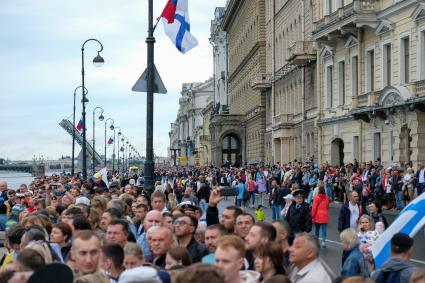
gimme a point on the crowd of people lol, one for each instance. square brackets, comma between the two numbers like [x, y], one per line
[110, 229]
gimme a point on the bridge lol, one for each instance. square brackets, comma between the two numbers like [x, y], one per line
[69, 127]
[34, 169]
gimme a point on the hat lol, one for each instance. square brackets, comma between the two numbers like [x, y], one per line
[82, 200]
[298, 192]
[132, 182]
[401, 240]
[98, 175]
[188, 204]
[288, 197]
[140, 275]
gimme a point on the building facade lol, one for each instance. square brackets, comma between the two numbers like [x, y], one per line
[237, 135]
[371, 76]
[187, 131]
[291, 70]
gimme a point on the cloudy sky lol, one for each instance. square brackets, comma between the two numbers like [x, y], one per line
[40, 66]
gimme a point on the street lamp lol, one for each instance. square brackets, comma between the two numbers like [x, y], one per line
[112, 124]
[101, 118]
[118, 146]
[126, 155]
[73, 130]
[97, 61]
[123, 159]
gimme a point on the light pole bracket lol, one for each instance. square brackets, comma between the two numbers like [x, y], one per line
[158, 85]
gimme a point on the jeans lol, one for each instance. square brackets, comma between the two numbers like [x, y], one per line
[324, 230]
[239, 202]
[276, 208]
[203, 205]
[420, 188]
[398, 198]
[252, 197]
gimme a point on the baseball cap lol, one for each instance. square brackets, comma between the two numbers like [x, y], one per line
[140, 274]
[82, 200]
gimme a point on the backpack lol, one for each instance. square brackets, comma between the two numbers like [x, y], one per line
[388, 277]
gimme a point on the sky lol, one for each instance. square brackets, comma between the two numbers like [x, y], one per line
[40, 66]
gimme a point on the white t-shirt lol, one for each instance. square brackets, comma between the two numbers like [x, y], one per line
[355, 214]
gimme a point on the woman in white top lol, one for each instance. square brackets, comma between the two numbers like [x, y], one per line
[367, 234]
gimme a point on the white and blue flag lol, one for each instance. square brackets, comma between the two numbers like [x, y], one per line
[410, 220]
[177, 25]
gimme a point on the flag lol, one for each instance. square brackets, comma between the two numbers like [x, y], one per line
[122, 149]
[80, 125]
[104, 172]
[410, 220]
[111, 140]
[175, 18]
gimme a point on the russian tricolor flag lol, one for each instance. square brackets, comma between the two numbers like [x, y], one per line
[80, 125]
[175, 18]
[110, 141]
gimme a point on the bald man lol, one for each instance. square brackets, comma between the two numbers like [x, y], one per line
[152, 218]
[161, 240]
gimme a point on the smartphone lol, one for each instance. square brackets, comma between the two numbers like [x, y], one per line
[53, 187]
[228, 192]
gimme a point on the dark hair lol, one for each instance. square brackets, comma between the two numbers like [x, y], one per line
[30, 259]
[123, 223]
[65, 229]
[115, 253]
[73, 211]
[80, 222]
[34, 233]
[267, 230]
[279, 278]
[114, 212]
[15, 233]
[247, 214]
[181, 254]
[6, 275]
[193, 220]
[378, 206]
[200, 272]
[219, 227]
[236, 210]
[142, 205]
[3, 208]
[274, 252]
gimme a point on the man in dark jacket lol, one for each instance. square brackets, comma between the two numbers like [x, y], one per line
[185, 227]
[276, 200]
[299, 215]
[350, 213]
[398, 267]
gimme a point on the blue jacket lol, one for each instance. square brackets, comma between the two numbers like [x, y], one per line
[354, 264]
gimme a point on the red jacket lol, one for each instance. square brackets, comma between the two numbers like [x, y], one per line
[320, 209]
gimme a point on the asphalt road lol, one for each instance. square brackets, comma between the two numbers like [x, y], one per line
[332, 254]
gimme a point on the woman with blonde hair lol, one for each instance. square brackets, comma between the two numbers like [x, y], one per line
[133, 256]
[353, 262]
[367, 234]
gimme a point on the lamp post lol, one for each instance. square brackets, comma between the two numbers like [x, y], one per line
[94, 138]
[97, 61]
[122, 139]
[126, 155]
[112, 123]
[119, 134]
[73, 131]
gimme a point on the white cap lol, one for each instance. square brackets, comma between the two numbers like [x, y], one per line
[132, 182]
[82, 200]
[140, 275]
[288, 196]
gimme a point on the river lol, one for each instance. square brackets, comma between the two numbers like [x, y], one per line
[15, 179]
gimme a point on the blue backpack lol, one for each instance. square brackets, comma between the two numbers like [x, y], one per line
[388, 277]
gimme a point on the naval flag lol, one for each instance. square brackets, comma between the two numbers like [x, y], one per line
[410, 220]
[110, 141]
[175, 18]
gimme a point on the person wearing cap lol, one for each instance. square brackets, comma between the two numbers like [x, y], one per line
[98, 182]
[289, 199]
[398, 267]
[298, 216]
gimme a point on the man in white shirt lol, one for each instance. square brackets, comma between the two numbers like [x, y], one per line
[306, 266]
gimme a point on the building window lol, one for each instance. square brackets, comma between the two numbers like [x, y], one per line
[356, 147]
[376, 145]
[354, 76]
[341, 82]
[421, 47]
[405, 59]
[387, 68]
[329, 94]
[370, 70]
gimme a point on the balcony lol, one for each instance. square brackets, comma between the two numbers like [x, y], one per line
[283, 120]
[420, 88]
[261, 82]
[346, 19]
[301, 53]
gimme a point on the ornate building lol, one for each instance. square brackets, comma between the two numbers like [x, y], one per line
[371, 76]
[237, 136]
[291, 70]
[187, 131]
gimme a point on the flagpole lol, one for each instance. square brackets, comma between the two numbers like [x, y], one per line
[157, 22]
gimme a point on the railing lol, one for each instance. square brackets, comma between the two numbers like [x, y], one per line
[301, 48]
[356, 7]
[283, 119]
[420, 88]
[261, 81]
